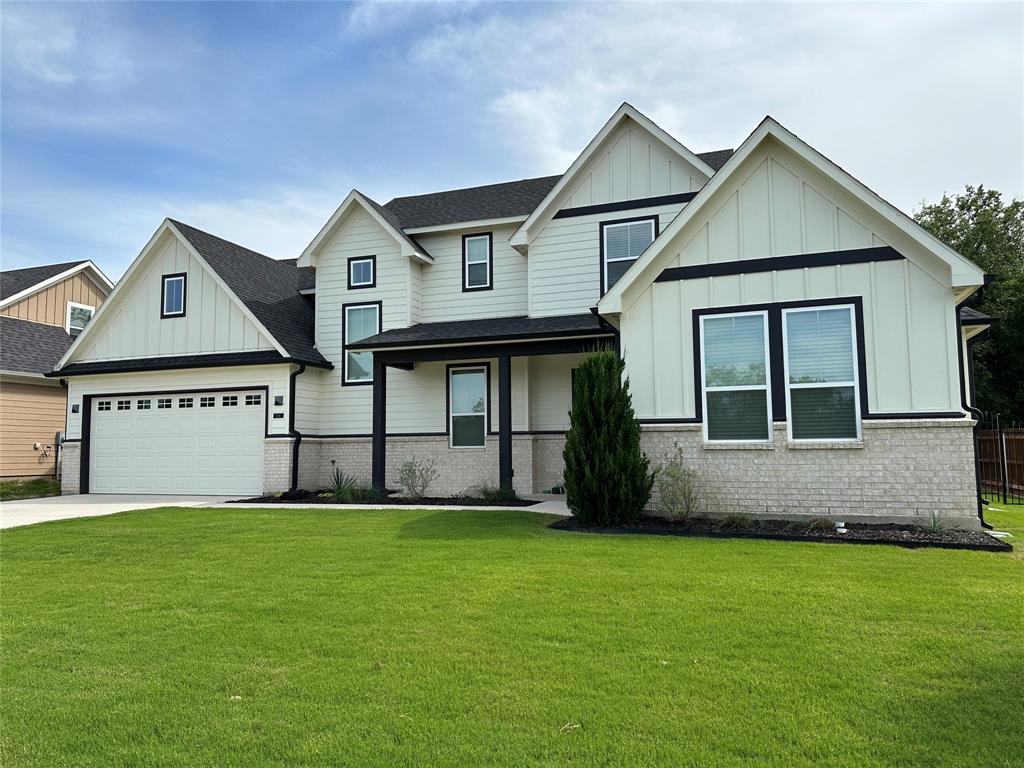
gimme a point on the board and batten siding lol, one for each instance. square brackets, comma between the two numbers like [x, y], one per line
[565, 260]
[440, 295]
[213, 322]
[50, 305]
[779, 206]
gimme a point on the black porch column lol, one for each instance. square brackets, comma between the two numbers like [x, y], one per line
[379, 422]
[505, 422]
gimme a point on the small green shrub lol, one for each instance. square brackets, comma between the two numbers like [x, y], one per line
[677, 488]
[820, 525]
[495, 494]
[415, 476]
[607, 476]
[934, 524]
[736, 523]
[346, 489]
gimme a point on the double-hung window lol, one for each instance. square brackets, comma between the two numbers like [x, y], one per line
[477, 263]
[361, 321]
[822, 392]
[362, 272]
[78, 316]
[622, 242]
[467, 406]
[172, 295]
[737, 385]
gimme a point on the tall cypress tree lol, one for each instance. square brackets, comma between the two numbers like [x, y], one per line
[607, 476]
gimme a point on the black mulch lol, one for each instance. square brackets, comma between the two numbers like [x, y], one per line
[315, 497]
[786, 530]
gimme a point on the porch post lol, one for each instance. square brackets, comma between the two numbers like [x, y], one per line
[379, 422]
[505, 422]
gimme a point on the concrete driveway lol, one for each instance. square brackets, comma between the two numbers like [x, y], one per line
[29, 511]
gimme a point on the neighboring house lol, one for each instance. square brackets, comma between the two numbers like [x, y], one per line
[42, 309]
[793, 333]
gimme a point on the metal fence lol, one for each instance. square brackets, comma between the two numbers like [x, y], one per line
[1001, 459]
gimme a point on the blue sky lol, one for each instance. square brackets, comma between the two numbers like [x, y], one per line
[254, 120]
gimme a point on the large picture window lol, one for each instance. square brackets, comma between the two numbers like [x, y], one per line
[734, 360]
[360, 321]
[821, 373]
[477, 262]
[467, 406]
[622, 242]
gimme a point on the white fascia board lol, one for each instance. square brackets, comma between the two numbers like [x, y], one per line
[355, 197]
[521, 236]
[962, 269]
[476, 224]
[28, 378]
[94, 274]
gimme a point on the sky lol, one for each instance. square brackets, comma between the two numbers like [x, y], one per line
[254, 120]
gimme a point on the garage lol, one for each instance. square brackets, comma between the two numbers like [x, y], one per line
[188, 442]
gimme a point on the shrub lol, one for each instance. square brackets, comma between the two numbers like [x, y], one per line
[607, 477]
[821, 525]
[347, 489]
[415, 477]
[677, 488]
[495, 493]
[736, 523]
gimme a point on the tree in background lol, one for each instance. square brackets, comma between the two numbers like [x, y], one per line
[607, 477]
[977, 224]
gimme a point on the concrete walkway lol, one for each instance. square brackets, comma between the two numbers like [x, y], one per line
[30, 511]
[550, 504]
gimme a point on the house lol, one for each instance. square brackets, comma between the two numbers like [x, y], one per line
[794, 334]
[42, 309]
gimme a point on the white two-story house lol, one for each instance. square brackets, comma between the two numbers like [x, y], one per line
[798, 337]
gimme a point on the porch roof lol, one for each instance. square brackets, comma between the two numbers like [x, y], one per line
[491, 329]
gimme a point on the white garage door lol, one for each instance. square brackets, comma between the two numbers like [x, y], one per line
[182, 443]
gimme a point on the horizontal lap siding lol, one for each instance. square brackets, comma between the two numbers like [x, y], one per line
[551, 391]
[29, 414]
[51, 305]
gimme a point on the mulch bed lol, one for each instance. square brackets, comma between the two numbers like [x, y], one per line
[787, 530]
[314, 497]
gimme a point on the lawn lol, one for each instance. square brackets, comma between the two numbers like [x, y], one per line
[190, 637]
[28, 489]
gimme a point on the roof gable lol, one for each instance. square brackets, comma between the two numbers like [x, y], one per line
[902, 227]
[17, 284]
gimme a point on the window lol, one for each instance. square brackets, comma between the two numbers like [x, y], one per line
[361, 321]
[362, 272]
[821, 373]
[78, 316]
[173, 295]
[253, 399]
[184, 402]
[734, 355]
[143, 405]
[207, 402]
[622, 242]
[163, 402]
[477, 266]
[229, 400]
[467, 406]
[124, 405]
[103, 405]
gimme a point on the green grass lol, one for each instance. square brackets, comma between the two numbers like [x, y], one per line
[28, 489]
[190, 637]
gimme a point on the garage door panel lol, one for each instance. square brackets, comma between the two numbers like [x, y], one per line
[198, 449]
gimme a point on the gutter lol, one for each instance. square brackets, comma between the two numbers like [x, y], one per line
[291, 426]
[977, 414]
[608, 327]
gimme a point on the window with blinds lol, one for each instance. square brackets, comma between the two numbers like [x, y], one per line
[622, 243]
[821, 373]
[734, 355]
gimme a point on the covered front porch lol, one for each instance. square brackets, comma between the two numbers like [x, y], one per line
[472, 352]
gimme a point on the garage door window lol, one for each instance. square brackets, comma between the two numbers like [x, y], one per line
[124, 405]
[185, 402]
[163, 402]
[207, 402]
[143, 405]
[229, 400]
[253, 399]
[104, 405]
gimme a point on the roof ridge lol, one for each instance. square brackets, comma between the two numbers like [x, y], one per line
[67, 264]
[178, 223]
[475, 187]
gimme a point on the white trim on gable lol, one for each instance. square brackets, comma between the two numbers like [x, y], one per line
[520, 238]
[964, 272]
[355, 197]
[165, 227]
[102, 282]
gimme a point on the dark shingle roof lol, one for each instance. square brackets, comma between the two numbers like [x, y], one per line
[307, 275]
[492, 201]
[269, 288]
[28, 347]
[392, 219]
[717, 158]
[488, 329]
[170, 363]
[971, 316]
[17, 280]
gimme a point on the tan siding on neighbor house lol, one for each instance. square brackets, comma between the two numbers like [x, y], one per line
[51, 305]
[29, 413]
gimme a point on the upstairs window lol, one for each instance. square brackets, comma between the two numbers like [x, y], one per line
[821, 373]
[467, 407]
[173, 295]
[362, 272]
[734, 357]
[78, 316]
[361, 321]
[477, 264]
[622, 242]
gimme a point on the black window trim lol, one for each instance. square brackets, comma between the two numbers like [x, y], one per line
[373, 267]
[603, 278]
[344, 339]
[466, 288]
[164, 315]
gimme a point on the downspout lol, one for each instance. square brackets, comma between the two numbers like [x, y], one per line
[975, 430]
[608, 327]
[292, 431]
